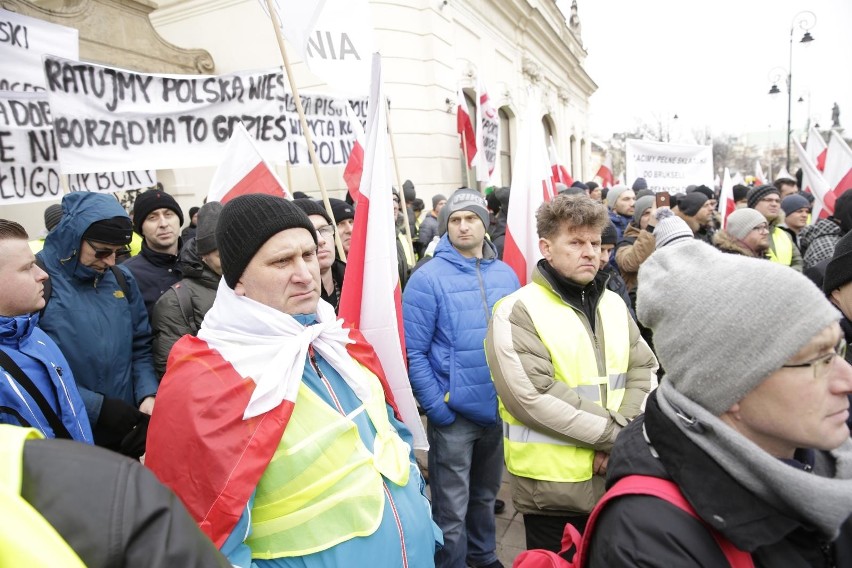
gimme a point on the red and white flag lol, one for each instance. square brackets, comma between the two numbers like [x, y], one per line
[243, 170]
[816, 148]
[487, 135]
[605, 171]
[371, 299]
[465, 129]
[558, 173]
[759, 178]
[727, 205]
[814, 182]
[530, 188]
[333, 37]
[355, 164]
[838, 168]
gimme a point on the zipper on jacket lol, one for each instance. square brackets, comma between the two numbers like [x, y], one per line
[70, 404]
[482, 290]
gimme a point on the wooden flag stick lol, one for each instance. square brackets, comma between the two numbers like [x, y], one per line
[402, 204]
[307, 131]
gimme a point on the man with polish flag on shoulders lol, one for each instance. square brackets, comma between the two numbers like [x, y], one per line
[276, 426]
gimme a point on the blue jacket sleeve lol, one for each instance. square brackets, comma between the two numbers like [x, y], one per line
[235, 548]
[144, 377]
[420, 320]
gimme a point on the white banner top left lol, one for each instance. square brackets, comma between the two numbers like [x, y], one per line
[23, 40]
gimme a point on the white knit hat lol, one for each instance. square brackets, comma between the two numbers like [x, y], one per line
[740, 223]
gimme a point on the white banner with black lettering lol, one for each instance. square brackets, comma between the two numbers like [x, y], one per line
[109, 119]
[23, 40]
[669, 167]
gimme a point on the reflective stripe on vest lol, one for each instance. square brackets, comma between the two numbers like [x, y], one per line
[574, 353]
[782, 252]
[323, 486]
[30, 540]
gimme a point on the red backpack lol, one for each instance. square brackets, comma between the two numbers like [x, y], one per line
[630, 485]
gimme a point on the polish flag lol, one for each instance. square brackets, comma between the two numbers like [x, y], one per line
[605, 171]
[371, 299]
[465, 129]
[531, 181]
[558, 172]
[813, 179]
[355, 164]
[243, 170]
[838, 168]
[759, 178]
[727, 205]
[816, 148]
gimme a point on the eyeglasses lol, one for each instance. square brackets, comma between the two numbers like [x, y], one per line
[764, 228]
[326, 231]
[821, 364]
[102, 253]
[771, 200]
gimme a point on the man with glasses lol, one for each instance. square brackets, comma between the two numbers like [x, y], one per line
[766, 199]
[751, 432]
[746, 232]
[331, 268]
[96, 315]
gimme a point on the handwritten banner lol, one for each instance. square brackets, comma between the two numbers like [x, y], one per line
[108, 119]
[110, 182]
[669, 167]
[23, 40]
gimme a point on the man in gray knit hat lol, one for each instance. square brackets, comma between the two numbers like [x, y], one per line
[746, 232]
[749, 422]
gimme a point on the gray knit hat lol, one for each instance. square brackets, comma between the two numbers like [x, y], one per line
[466, 199]
[717, 352]
[642, 205]
[793, 203]
[742, 221]
[205, 234]
[614, 193]
[671, 230]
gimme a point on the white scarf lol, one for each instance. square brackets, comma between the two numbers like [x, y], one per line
[270, 347]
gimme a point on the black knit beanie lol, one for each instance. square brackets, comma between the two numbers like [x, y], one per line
[247, 222]
[839, 269]
[609, 235]
[342, 210]
[152, 200]
[691, 203]
[755, 194]
[311, 207]
[112, 231]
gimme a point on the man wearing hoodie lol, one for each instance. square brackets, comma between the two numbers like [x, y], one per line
[446, 308]
[96, 315]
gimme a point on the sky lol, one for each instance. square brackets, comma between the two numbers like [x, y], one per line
[711, 64]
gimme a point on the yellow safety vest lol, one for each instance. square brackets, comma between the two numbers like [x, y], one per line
[782, 252]
[575, 355]
[323, 486]
[409, 253]
[26, 538]
[135, 244]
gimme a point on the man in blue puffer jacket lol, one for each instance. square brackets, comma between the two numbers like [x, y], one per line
[99, 322]
[37, 388]
[446, 307]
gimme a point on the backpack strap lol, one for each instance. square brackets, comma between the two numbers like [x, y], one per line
[184, 298]
[59, 429]
[667, 491]
[122, 280]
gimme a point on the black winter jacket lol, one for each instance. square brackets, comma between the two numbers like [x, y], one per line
[155, 272]
[647, 531]
[110, 509]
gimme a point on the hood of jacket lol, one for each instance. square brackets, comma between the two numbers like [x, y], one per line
[726, 243]
[14, 330]
[79, 210]
[448, 252]
[191, 266]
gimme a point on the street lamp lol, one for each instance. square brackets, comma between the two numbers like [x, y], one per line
[805, 20]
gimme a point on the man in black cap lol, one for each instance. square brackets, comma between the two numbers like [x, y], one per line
[274, 425]
[696, 210]
[767, 200]
[189, 231]
[344, 218]
[332, 269]
[96, 315]
[157, 217]
[838, 288]
[429, 226]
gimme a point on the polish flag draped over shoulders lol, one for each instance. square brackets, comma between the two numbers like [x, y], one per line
[530, 188]
[243, 171]
[464, 126]
[371, 299]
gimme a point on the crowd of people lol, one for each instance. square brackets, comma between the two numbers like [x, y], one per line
[203, 393]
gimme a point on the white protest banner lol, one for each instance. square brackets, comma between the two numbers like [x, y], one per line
[110, 182]
[669, 167]
[487, 132]
[28, 164]
[23, 40]
[109, 119]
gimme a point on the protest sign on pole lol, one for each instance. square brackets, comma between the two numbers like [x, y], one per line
[669, 167]
[109, 119]
[23, 40]
[28, 163]
[487, 132]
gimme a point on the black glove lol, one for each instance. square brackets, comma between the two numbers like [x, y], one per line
[121, 428]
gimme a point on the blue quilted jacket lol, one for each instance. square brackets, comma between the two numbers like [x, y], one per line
[445, 308]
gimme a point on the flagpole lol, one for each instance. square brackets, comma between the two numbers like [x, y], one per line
[273, 14]
[466, 161]
[403, 205]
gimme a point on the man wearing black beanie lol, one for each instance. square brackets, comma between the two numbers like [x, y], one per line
[697, 210]
[275, 408]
